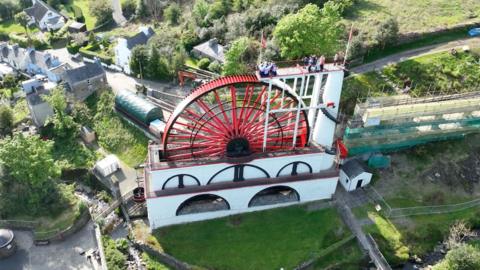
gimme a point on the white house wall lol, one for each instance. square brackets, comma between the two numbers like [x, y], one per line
[162, 210]
[318, 161]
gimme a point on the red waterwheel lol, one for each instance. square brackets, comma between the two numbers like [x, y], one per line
[226, 117]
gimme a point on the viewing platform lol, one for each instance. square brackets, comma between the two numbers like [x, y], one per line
[297, 68]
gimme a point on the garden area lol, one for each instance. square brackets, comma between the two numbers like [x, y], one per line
[114, 133]
[447, 173]
[240, 242]
[438, 73]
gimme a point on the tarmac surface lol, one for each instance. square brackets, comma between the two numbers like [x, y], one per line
[56, 256]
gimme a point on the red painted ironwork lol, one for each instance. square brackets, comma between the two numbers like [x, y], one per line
[228, 109]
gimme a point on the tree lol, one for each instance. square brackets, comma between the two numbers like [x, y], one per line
[8, 8]
[141, 10]
[30, 171]
[9, 81]
[157, 66]
[200, 12]
[463, 257]
[22, 18]
[64, 127]
[387, 32]
[203, 63]
[139, 60]
[309, 31]
[102, 10]
[241, 53]
[53, 3]
[128, 8]
[172, 13]
[6, 120]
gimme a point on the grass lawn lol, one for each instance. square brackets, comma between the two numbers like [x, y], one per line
[152, 263]
[272, 239]
[11, 26]
[347, 257]
[413, 15]
[83, 5]
[20, 111]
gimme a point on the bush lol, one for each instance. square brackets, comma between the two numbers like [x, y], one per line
[215, 66]
[172, 13]
[204, 63]
[73, 48]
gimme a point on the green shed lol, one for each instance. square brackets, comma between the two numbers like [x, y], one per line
[137, 107]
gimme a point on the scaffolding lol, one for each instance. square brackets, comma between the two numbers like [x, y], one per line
[392, 123]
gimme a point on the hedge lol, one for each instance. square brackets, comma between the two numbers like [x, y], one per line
[24, 43]
[89, 54]
[78, 13]
[73, 48]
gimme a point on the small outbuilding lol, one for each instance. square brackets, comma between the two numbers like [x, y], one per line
[107, 166]
[77, 27]
[7, 243]
[137, 108]
[354, 175]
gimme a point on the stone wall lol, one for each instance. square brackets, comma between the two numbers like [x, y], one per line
[166, 259]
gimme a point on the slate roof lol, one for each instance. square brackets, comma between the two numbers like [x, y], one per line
[35, 98]
[140, 38]
[84, 73]
[211, 49]
[39, 9]
[353, 168]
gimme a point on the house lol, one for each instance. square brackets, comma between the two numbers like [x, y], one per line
[39, 109]
[77, 27]
[354, 175]
[6, 70]
[30, 61]
[124, 47]
[44, 16]
[211, 50]
[83, 81]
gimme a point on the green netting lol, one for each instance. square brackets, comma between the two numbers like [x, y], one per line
[137, 107]
[379, 161]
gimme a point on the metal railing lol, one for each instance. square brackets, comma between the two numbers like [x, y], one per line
[433, 209]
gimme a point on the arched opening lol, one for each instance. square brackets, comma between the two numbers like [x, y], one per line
[274, 195]
[203, 203]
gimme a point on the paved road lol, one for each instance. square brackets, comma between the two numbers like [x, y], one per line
[58, 256]
[399, 57]
[117, 13]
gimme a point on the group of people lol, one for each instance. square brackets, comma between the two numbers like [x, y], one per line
[267, 69]
[313, 63]
[317, 64]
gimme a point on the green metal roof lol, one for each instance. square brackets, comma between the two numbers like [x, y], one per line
[137, 107]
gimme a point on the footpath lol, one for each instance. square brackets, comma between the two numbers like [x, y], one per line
[366, 242]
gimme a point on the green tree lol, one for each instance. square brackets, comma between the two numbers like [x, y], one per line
[172, 13]
[102, 10]
[64, 127]
[203, 63]
[387, 32]
[8, 8]
[53, 3]
[141, 10]
[9, 81]
[157, 66]
[463, 257]
[22, 18]
[31, 171]
[241, 53]
[200, 12]
[6, 120]
[128, 8]
[310, 31]
[139, 60]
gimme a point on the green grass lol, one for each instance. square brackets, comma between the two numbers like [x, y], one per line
[347, 257]
[413, 15]
[389, 239]
[264, 240]
[153, 263]
[11, 26]
[20, 111]
[90, 21]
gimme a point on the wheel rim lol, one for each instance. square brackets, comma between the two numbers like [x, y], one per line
[226, 117]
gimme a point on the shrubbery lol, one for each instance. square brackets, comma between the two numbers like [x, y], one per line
[89, 54]
[204, 63]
